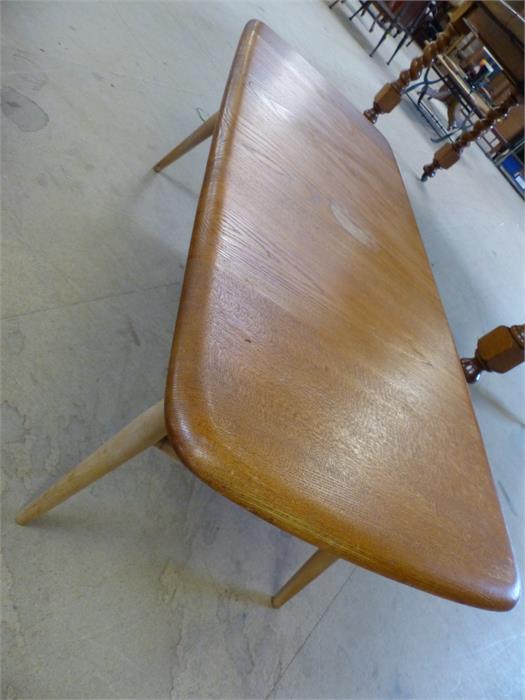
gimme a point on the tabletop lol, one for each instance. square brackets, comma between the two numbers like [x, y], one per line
[313, 378]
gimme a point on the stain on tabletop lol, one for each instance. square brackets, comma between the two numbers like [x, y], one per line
[345, 220]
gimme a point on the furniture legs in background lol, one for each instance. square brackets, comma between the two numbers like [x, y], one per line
[203, 132]
[310, 570]
[398, 48]
[390, 94]
[497, 351]
[391, 23]
[404, 19]
[143, 432]
[428, 11]
[363, 10]
[363, 7]
[450, 153]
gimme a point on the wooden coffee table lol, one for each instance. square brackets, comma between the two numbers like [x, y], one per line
[313, 378]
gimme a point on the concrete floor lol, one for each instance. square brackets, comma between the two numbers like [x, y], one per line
[148, 584]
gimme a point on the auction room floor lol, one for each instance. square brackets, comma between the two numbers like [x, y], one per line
[149, 584]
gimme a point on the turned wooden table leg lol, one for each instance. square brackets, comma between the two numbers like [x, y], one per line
[390, 94]
[318, 562]
[144, 431]
[497, 351]
[450, 153]
[203, 132]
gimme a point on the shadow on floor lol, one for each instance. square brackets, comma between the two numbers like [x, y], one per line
[498, 405]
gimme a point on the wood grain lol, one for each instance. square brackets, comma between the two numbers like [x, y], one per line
[313, 378]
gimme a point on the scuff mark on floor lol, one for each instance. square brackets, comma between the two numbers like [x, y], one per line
[201, 114]
[14, 428]
[22, 111]
[507, 498]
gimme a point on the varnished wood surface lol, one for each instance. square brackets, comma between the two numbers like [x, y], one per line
[313, 378]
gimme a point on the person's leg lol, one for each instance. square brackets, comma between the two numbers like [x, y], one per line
[452, 110]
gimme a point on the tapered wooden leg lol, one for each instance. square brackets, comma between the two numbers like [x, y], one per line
[203, 132]
[146, 430]
[315, 566]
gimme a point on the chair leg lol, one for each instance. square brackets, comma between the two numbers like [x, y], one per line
[318, 562]
[144, 431]
[398, 48]
[386, 33]
[362, 9]
[203, 132]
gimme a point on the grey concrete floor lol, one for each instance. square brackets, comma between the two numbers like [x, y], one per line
[148, 584]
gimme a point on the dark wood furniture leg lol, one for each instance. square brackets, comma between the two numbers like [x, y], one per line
[450, 153]
[390, 94]
[497, 351]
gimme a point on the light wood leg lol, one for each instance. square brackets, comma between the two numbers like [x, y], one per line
[318, 562]
[203, 132]
[144, 431]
